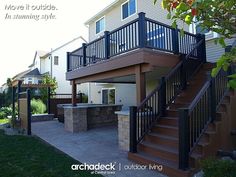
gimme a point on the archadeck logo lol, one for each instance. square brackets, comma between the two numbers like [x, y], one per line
[96, 168]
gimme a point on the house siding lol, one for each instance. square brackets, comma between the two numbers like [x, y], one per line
[113, 17]
[214, 51]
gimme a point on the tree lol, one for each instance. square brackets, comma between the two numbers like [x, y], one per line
[216, 15]
[48, 80]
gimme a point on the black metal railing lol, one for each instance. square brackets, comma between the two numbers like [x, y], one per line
[143, 117]
[140, 33]
[194, 120]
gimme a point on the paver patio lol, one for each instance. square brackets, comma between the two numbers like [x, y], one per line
[98, 145]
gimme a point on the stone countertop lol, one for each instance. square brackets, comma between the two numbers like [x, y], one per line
[85, 105]
[124, 112]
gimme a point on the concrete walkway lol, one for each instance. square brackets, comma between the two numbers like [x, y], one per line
[98, 145]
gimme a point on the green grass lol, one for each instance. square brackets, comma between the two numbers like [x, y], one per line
[3, 121]
[22, 156]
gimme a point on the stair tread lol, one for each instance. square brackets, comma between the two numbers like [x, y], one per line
[159, 135]
[165, 148]
[167, 126]
[158, 160]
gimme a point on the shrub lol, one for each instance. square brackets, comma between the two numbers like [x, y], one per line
[37, 106]
[218, 168]
[7, 111]
[2, 115]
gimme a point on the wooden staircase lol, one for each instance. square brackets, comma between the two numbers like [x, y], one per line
[161, 145]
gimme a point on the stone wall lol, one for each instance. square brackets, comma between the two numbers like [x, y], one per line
[42, 117]
[84, 117]
[123, 130]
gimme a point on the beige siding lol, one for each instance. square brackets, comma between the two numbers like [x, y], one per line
[113, 18]
[214, 51]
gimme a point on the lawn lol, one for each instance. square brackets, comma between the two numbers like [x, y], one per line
[3, 121]
[22, 156]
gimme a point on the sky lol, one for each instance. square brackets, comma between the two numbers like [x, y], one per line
[19, 39]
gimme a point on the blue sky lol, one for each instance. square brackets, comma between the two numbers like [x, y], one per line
[19, 39]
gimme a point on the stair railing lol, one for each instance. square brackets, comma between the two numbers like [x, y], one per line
[143, 117]
[194, 120]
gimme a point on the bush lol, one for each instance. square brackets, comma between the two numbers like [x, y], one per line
[37, 106]
[7, 111]
[2, 115]
[218, 168]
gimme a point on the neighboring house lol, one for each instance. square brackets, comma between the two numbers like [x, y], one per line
[21, 77]
[213, 51]
[3, 88]
[54, 63]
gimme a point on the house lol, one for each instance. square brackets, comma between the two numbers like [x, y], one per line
[119, 13]
[3, 88]
[177, 112]
[213, 51]
[54, 64]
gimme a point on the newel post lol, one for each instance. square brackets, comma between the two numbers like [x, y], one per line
[84, 46]
[201, 51]
[107, 44]
[184, 139]
[175, 40]
[142, 30]
[133, 129]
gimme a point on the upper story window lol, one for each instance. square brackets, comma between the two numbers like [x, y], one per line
[100, 25]
[128, 8]
[56, 60]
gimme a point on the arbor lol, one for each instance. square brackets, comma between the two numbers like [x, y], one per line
[48, 80]
[216, 15]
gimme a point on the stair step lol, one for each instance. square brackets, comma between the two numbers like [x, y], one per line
[172, 113]
[169, 121]
[169, 167]
[162, 139]
[178, 105]
[165, 152]
[166, 130]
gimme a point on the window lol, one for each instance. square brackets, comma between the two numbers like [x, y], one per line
[128, 9]
[108, 96]
[200, 30]
[56, 60]
[100, 25]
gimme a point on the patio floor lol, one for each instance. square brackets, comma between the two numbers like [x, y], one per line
[98, 145]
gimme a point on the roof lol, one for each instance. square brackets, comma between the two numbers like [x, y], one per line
[20, 75]
[34, 72]
[43, 54]
[39, 53]
[104, 11]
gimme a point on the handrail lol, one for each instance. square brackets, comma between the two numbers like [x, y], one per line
[197, 45]
[199, 96]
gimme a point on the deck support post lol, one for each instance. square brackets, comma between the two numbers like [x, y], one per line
[140, 84]
[74, 93]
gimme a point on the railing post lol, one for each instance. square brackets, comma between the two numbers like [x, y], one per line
[175, 40]
[142, 29]
[49, 101]
[184, 139]
[68, 61]
[107, 44]
[29, 111]
[201, 51]
[213, 99]
[84, 54]
[162, 97]
[133, 129]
